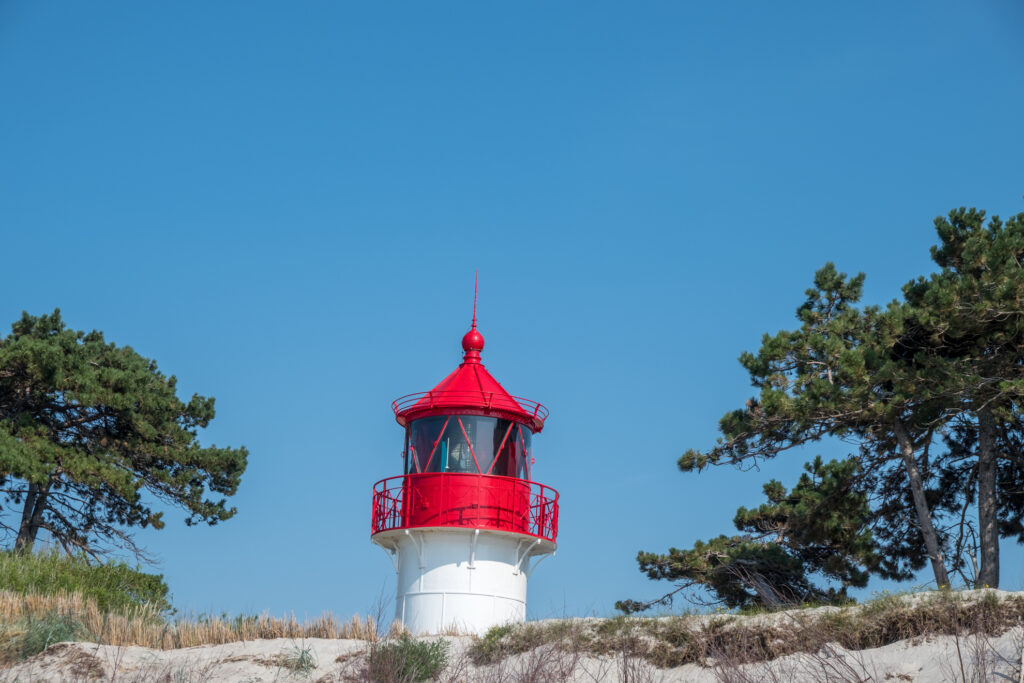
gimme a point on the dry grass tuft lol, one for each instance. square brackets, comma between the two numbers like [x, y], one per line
[710, 640]
[146, 626]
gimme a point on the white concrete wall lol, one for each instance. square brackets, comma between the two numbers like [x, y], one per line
[460, 578]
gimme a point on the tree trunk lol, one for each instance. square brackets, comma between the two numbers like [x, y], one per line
[987, 519]
[924, 516]
[31, 517]
[26, 516]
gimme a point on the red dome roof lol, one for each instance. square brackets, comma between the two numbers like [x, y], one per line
[470, 389]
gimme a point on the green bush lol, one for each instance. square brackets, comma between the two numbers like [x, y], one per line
[301, 660]
[114, 586]
[517, 638]
[407, 659]
[44, 631]
[492, 646]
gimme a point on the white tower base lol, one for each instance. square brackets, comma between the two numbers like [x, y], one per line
[463, 580]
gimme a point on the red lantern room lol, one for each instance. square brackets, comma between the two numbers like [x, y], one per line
[469, 425]
[466, 500]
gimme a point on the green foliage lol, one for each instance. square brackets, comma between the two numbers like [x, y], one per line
[301, 660]
[835, 375]
[510, 639]
[407, 659]
[87, 427]
[819, 528]
[114, 586]
[737, 569]
[969, 319]
[945, 362]
[42, 632]
[728, 639]
[823, 521]
[488, 649]
[844, 373]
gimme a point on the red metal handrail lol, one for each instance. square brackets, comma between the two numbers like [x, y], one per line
[465, 500]
[535, 410]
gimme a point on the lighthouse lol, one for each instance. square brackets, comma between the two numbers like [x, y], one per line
[465, 523]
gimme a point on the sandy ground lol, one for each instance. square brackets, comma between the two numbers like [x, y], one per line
[938, 659]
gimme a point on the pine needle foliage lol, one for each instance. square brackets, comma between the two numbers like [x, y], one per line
[942, 367]
[969, 319]
[819, 528]
[841, 374]
[87, 428]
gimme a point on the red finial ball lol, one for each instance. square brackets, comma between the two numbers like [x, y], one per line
[473, 341]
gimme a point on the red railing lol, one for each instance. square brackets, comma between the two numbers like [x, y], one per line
[476, 501]
[448, 399]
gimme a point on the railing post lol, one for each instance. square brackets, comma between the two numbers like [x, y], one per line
[540, 512]
[393, 504]
[406, 499]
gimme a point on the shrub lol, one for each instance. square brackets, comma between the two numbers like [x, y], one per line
[113, 586]
[301, 660]
[406, 660]
[491, 647]
[44, 631]
[514, 639]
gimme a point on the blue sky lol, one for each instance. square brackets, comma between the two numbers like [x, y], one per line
[284, 205]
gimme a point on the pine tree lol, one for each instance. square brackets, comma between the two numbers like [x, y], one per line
[840, 374]
[91, 434]
[944, 367]
[970, 318]
[819, 529]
